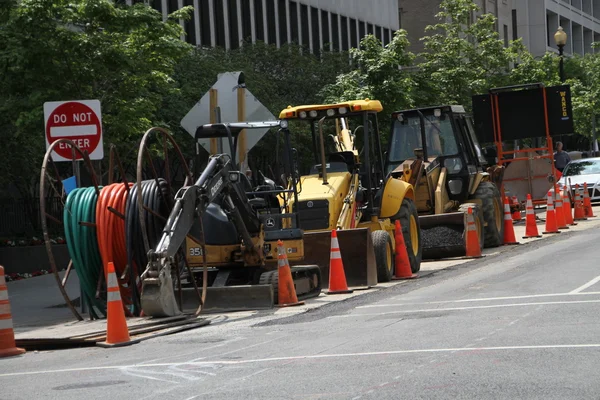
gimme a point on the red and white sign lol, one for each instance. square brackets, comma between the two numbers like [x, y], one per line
[79, 121]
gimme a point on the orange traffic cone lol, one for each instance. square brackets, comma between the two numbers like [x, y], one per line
[337, 276]
[587, 202]
[516, 215]
[286, 291]
[473, 245]
[509, 229]
[402, 268]
[117, 333]
[568, 211]
[551, 225]
[531, 230]
[8, 347]
[561, 221]
[579, 211]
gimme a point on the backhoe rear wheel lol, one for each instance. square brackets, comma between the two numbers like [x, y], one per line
[493, 213]
[384, 255]
[411, 232]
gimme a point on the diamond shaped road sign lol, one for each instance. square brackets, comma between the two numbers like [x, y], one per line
[226, 86]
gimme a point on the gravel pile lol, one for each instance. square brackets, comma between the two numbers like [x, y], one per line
[442, 236]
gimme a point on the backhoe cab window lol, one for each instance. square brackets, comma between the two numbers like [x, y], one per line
[407, 138]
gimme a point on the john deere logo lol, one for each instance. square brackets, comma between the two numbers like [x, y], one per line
[310, 204]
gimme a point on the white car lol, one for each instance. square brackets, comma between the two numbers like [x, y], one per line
[585, 170]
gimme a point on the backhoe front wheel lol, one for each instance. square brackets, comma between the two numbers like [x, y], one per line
[384, 255]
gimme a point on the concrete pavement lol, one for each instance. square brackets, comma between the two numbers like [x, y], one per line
[522, 323]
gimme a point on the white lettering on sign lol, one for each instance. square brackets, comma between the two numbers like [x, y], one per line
[83, 143]
[60, 118]
[82, 117]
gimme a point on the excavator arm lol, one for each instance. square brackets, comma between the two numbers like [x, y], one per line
[218, 180]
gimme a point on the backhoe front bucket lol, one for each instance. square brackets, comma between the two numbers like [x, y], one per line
[357, 251]
[158, 296]
[443, 235]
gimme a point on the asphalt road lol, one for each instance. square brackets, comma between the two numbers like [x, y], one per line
[524, 324]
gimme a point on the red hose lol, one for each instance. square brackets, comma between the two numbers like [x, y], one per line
[110, 230]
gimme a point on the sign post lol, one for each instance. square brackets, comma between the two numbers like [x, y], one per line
[79, 121]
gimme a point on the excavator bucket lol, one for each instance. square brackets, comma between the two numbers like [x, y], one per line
[158, 296]
[443, 235]
[358, 256]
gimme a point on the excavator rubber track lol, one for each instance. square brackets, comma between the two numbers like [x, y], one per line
[307, 281]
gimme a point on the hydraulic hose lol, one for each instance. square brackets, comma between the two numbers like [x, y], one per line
[157, 202]
[80, 234]
[110, 223]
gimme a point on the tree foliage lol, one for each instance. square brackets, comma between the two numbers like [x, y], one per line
[53, 50]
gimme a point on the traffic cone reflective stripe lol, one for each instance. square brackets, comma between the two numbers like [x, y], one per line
[516, 215]
[568, 211]
[531, 230]
[579, 211]
[551, 225]
[402, 268]
[8, 347]
[561, 221]
[337, 276]
[509, 230]
[587, 203]
[286, 291]
[117, 332]
[473, 246]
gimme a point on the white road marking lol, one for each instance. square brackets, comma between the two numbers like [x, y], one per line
[587, 285]
[311, 357]
[466, 308]
[531, 296]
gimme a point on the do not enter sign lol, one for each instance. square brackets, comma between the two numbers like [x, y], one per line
[79, 121]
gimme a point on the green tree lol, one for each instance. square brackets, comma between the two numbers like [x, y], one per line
[54, 50]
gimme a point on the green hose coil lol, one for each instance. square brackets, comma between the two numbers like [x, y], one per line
[83, 245]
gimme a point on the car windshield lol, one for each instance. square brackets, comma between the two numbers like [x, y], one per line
[582, 168]
[407, 137]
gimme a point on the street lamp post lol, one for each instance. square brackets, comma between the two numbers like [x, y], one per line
[560, 37]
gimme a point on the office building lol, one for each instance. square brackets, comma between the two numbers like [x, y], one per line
[315, 24]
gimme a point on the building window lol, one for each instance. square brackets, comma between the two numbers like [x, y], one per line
[335, 32]
[294, 22]
[272, 28]
[305, 25]
[314, 16]
[370, 29]
[258, 20]
[205, 24]
[325, 29]
[361, 29]
[219, 23]
[345, 39]
[283, 28]
[353, 33]
[379, 33]
[514, 25]
[190, 25]
[172, 6]
[505, 27]
[246, 21]
[233, 24]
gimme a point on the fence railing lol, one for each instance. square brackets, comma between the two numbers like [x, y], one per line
[20, 218]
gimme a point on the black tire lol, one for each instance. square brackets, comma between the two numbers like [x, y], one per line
[493, 213]
[408, 211]
[478, 214]
[384, 255]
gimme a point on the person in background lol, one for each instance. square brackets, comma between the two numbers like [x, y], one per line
[561, 157]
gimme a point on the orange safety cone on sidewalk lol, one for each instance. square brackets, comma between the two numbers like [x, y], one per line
[531, 230]
[516, 215]
[509, 229]
[473, 245]
[117, 333]
[8, 347]
[579, 211]
[561, 221]
[551, 225]
[286, 291]
[402, 268]
[568, 211]
[587, 202]
[337, 276]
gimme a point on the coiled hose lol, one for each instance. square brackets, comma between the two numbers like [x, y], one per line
[110, 223]
[158, 202]
[80, 234]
